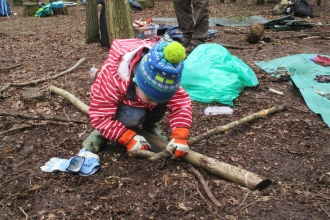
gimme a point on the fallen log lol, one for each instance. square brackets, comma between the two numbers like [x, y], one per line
[218, 168]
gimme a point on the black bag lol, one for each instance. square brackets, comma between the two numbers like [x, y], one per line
[302, 8]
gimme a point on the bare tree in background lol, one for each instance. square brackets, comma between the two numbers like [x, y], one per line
[119, 19]
[92, 34]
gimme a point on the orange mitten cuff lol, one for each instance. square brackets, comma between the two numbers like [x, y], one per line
[126, 137]
[180, 133]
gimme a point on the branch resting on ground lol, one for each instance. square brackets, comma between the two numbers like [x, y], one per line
[35, 82]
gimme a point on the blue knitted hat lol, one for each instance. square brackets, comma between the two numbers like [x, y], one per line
[159, 73]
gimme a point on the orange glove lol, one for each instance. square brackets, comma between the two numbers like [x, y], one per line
[132, 141]
[178, 145]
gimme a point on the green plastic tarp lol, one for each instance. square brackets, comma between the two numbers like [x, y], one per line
[303, 72]
[212, 74]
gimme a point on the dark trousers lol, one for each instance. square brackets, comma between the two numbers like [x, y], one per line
[132, 116]
[193, 20]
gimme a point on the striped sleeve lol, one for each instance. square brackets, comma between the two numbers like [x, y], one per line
[180, 110]
[104, 101]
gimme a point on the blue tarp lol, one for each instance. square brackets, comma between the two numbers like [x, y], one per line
[303, 72]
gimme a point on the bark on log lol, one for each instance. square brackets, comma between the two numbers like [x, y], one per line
[218, 168]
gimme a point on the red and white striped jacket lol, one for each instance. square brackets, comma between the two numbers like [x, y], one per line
[109, 90]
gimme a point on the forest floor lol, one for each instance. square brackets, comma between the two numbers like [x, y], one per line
[291, 147]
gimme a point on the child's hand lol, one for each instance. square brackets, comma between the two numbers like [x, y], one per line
[178, 145]
[132, 141]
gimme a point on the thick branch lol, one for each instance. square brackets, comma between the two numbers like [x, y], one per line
[35, 82]
[75, 101]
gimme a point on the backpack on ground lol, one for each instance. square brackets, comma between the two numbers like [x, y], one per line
[302, 8]
[5, 9]
[45, 10]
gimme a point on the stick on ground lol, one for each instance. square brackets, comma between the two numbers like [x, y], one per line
[205, 187]
[35, 82]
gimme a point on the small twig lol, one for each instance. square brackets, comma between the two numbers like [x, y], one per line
[325, 211]
[32, 125]
[202, 196]
[205, 187]
[40, 117]
[243, 200]
[22, 210]
[35, 82]
[19, 128]
[12, 179]
[161, 155]
[11, 67]
[66, 114]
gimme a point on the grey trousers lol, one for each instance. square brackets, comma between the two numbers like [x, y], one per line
[193, 20]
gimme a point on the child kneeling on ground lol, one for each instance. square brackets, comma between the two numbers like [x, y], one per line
[135, 86]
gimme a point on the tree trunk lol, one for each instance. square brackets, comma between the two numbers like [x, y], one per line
[318, 2]
[92, 34]
[119, 19]
[30, 9]
[260, 2]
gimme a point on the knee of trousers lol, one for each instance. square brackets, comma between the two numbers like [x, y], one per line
[130, 116]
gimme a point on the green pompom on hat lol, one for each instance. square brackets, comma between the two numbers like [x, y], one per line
[160, 71]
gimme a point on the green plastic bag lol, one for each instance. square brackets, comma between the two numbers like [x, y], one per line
[212, 74]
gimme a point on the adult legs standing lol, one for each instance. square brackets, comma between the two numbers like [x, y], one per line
[193, 20]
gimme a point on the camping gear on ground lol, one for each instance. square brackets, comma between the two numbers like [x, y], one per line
[287, 23]
[212, 74]
[322, 78]
[280, 8]
[45, 10]
[136, 6]
[58, 4]
[174, 33]
[5, 8]
[146, 32]
[302, 8]
[322, 60]
[303, 71]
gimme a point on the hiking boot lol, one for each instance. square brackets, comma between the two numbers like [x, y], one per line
[190, 48]
[156, 130]
[185, 44]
